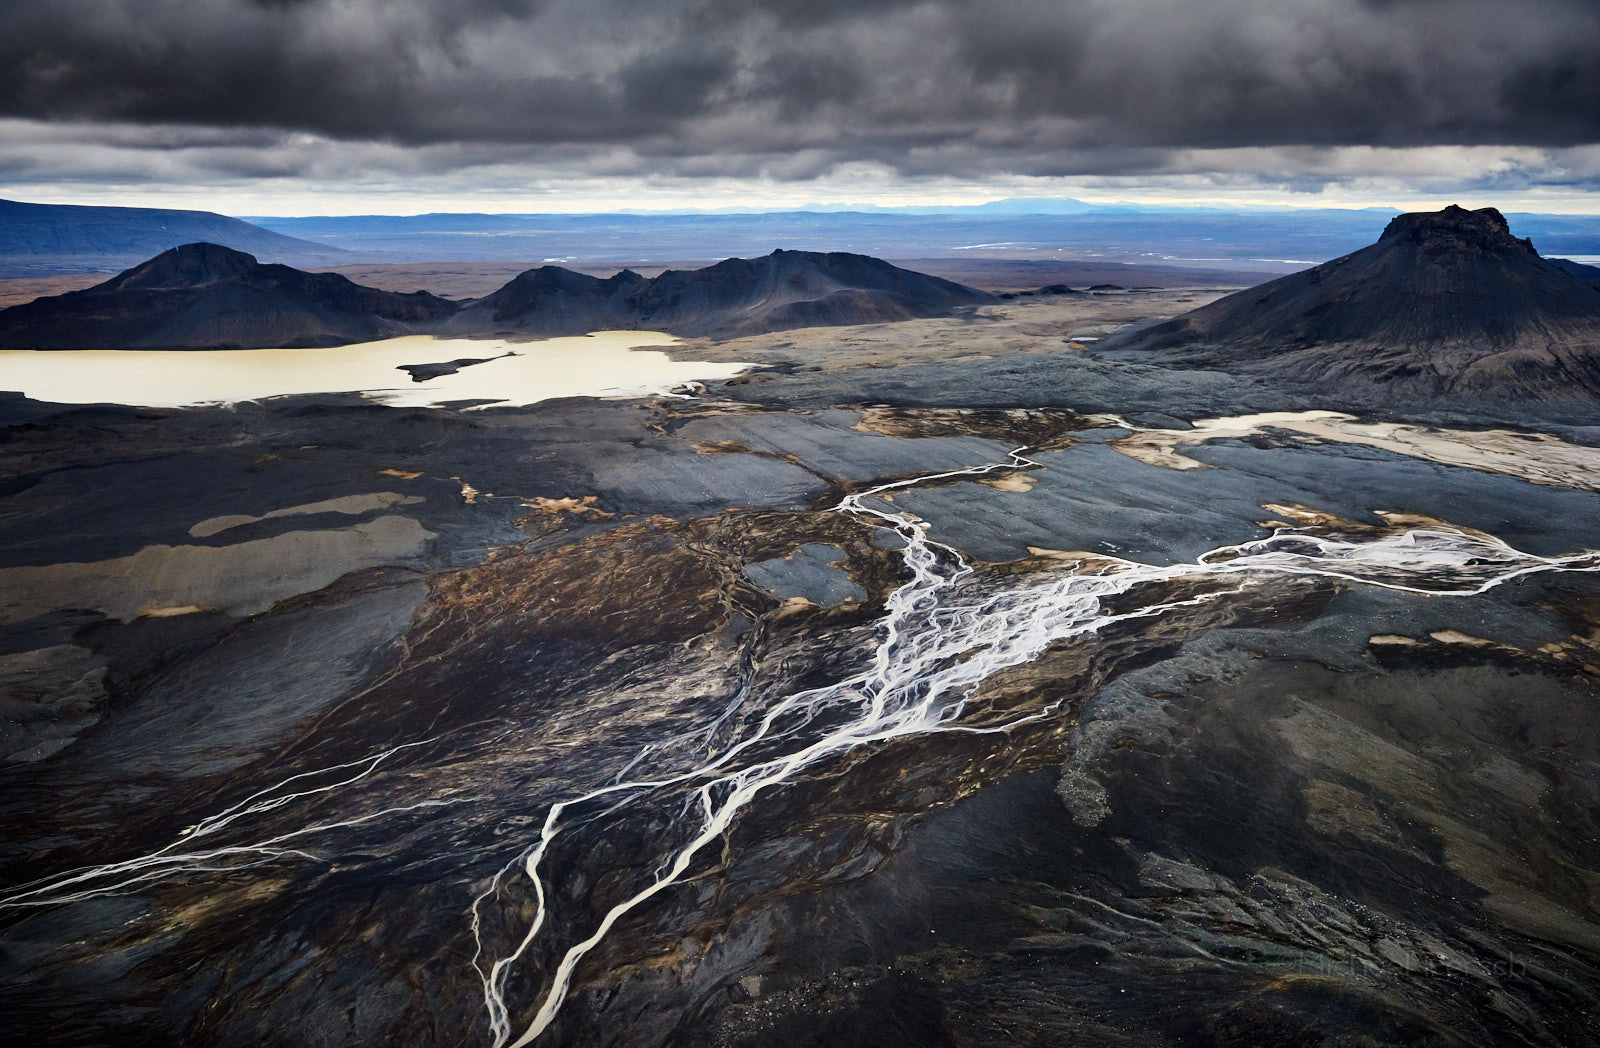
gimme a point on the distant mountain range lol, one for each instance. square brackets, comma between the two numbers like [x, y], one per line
[204, 296]
[1267, 242]
[1445, 302]
[40, 239]
[1008, 206]
[43, 239]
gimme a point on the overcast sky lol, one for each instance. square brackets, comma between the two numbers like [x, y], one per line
[343, 106]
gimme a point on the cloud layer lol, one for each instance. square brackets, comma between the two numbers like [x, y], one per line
[789, 89]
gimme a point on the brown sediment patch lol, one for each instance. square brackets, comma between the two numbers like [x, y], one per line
[1045, 553]
[735, 447]
[1453, 647]
[1297, 516]
[1580, 610]
[171, 612]
[1392, 523]
[685, 410]
[791, 606]
[550, 514]
[1159, 447]
[1041, 428]
[224, 901]
[1536, 457]
[722, 447]
[1040, 558]
[399, 473]
[575, 506]
[648, 565]
[666, 581]
[1015, 482]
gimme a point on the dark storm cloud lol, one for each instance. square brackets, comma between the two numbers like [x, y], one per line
[1025, 86]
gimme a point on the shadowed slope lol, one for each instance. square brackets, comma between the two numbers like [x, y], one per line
[1586, 273]
[1443, 302]
[203, 296]
[738, 296]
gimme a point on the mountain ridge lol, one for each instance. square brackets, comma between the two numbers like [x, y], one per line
[1443, 302]
[205, 296]
[37, 239]
[737, 296]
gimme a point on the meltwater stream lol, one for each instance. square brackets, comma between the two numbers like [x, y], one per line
[941, 639]
[944, 632]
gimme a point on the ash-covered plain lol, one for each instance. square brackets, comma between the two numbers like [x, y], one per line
[934, 682]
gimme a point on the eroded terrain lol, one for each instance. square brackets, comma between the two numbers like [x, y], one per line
[914, 687]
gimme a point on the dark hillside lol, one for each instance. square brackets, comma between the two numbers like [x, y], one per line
[203, 296]
[1446, 301]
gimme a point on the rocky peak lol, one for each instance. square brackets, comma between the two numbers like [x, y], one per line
[192, 265]
[1455, 229]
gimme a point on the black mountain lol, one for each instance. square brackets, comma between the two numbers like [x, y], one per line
[738, 296]
[1585, 273]
[202, 296]
[1443, 302]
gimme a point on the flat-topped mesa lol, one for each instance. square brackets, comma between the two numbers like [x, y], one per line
[1444, 302]
[1455, 229]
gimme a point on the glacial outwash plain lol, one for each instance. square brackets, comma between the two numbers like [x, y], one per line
[899, 659]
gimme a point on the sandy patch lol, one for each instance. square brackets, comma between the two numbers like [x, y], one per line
[1015, 482]
[1536, 457]
[243, 579]
[352, 505]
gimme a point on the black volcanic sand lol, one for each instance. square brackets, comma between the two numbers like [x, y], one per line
[1302, 815]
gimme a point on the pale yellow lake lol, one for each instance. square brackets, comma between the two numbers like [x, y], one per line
[601, 364]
